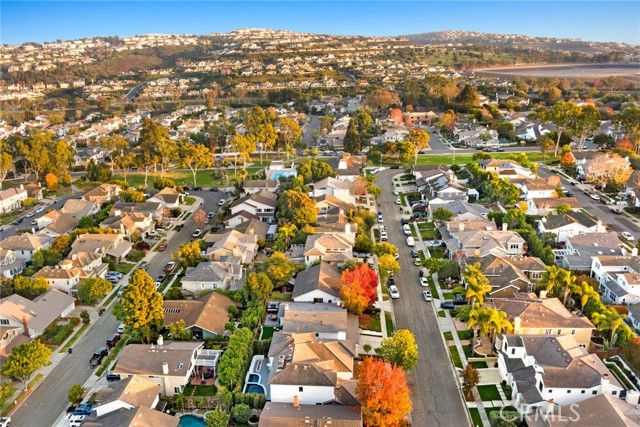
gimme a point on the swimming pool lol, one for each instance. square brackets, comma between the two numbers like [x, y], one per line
[191, 421]
[253, 378]
[254, 388]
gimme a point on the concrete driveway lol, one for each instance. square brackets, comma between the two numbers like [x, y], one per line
[435, 395]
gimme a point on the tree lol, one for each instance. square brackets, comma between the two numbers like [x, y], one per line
[434, 265]
[314, 170]
[629, 119]
[244, 146]
[388, 266]
[132, 196]
[29, 287]
[363, 121]
[298, 208]
[200, 218]
[546, 144]
[442, 215]
[91, 291]
[400, 350]
[609, 319]
[407, 151]
[6, 161]
[51, 181]
[140, 307]
[384, 248]
[75, 394]
[447, 121]
[284, 236]
[479, 320]
[257, 287]
[154, 137]
[279, 269]
[84, 315]
[587, 122]
[217, 418]
[241, 413]
[195, 157]
[506, 130]
[568, 161]
[289, 133]
[498, 323]
[563, 208]
[25, 359]
[114, 145]
[381, 99]
[467, 98]
[98, 172]
[189, 255]
[604, 140]
[563, 115]
[550, 279]
[383, 393]
[358, 288]
[477, 284]
[352, 142]
[420, 140]
[470, 379]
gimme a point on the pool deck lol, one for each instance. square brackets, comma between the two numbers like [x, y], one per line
[263, 372]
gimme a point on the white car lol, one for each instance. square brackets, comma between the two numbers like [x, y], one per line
[221, 202]
[393, 291]
[30, 214]
[396, 193]
[158, 284]
[383, 236]
[424, 282]
[4, 421]
[410, 242]
[39, 210]
[197, 233]
[120, 329]
[427, 296]
[417, 262]
[398, 202]
[594, 196]
[627, 236]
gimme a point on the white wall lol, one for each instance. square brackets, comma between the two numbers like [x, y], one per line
[310, 395]
[309, 297]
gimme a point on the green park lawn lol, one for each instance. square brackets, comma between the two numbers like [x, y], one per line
[462, 159]
[185, 177]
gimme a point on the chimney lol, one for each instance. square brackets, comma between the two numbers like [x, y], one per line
[461, 226]
[605, 380]
[160, 341]
[505, 226]
[634, 252]
[549, 409]
[347, 228]
[476, 252]
[633, 397]
[543, 294]
[165, 368]
[517, 321]
[25, 326]
[296, 402]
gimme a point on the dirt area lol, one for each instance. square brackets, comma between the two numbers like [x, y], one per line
[564, 70]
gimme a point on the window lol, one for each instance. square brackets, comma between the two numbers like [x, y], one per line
[547, 331]
[513, 351]
[4, 321]
[540, 386]
[559, 332]
[568, 391]
[573, 332]
[177, 389]
[583, 391]
[550, 390]
[180, 365]
[300, 389]
[614, 392]
[594, 392]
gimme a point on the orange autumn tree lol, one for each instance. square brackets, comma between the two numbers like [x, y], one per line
[52, 181]
[358, 288]
[383, 394]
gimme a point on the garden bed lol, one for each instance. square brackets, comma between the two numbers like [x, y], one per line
[370, 321]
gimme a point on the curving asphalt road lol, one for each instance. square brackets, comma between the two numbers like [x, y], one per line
[436, 399]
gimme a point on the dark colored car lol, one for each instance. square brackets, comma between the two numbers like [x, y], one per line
[404, 221]
[113, 377]
[391, 281]
[185, 188]
[414, 254]
[446, 305]
[421, 273]
[394, 167]
[161, 278]
[568, 194]
[459, 300]
[197, 188]
[17, 221]
[213, 189]
[112, 340]
[98, 355]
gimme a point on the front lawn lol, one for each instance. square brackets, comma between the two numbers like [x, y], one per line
[370, 321]
[267, 332]
[430, 234]
[436, 252]
[280, 296]
[121, 267]
[475, 416]
[488, 392]
[479, 365]
[189, 201]
[389, 322]
[462, 159]
[455, 356]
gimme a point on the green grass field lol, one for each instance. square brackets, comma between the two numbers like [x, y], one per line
[462, 159]
[185, 177]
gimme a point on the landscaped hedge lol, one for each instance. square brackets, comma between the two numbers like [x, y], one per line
[254, 400]
[57, 334]
[235, 360]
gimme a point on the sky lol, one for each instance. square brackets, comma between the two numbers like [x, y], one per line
[38, 21]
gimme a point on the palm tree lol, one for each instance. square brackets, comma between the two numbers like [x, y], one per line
[477, 284]
[550, 278]
[585, 291]
[479, 321]
[608, 320]
[498, 323]
[567, 281]
[287, 232]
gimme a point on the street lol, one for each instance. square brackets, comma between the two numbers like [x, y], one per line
[49, 399]
[435, 395]
[313, 124]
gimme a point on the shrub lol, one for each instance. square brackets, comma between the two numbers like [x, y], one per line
[135, 256]
[241, 413]
[86, 319]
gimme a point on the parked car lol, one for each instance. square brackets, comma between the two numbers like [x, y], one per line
[427, 296]
[446, 305]
[169, 267]
[210, 214]
[17, 221]
[406, 229]
[98, 355]
[112, 340]
[411, 242]
[414, 254]
[398, 202]
[396, 193]
[383, 236]
[391, 281]
[627, 236]
[120, 329]
[214, 189]
[404, 221]
[197, 188]
[163, 247]
[197, 233]
[594, 196]
[423, 281]
[161, 278]
[5, 421]
[113, 377]
[416, 261]
[459, 300]
[393, 292]
[30, 214]
[144, 265]
[221, 202]
[617, 210]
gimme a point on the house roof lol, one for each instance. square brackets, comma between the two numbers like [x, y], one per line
[324, 244]
[24, 242]
[286, 415]
[330, 182]
[553, 203]
[78, 207]
[64, 224]
[40, 312]
[601, 410]
[460, 207]
[101, 191]
[65, 270]
[137, 417]
[143, 207]
[10, 193]
[263, 197]
[324, 277]
[98, 243]
[620, 261]
[572, 217]
[506, 272]
[260, 183]
[210, 271]
[334, 201]
[539, 313]
[134, 390]
[254, 226]
[143, 359]
[167, 195]
[209, 312]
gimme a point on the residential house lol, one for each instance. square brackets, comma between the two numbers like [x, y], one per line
[601, 410]
[570, 224]
[102, 193]
[64, 277]
[64, 224]
[130, 402]
[257, 185]
[543, 368]
[347, 166]
[334, 222]
[170, 365]
[79, 208]
[531, 315]
[602, 166]
[22, 319]
[531, 131]
[34, 191]
[10, 265]
[25, 245]
[546, 207]
[296, 415]
[507, 169]
[231, 243]
[129, 224]
[167, 197]
[225, 273]
[619, 277]
[254, 226]
[12, 198]
[261, 204]
[509, 275]
[481, 243]
[336, 248]
[90, 262]
[320, 283]
[633, 183]
[333, 187]
[109, 245]
[330, 205]
[537, 188]
[634, 315]
[461, 210]
[578, 251]
[204, 317]
[48, 218]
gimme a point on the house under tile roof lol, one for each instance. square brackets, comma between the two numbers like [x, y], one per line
[209, 312]
[324, 277]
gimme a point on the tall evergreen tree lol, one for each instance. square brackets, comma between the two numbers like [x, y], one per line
[352, 139]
